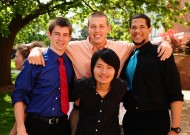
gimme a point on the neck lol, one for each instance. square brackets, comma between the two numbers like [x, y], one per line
[139, 45]
[98, 46]
[59, 52]
[102, 87]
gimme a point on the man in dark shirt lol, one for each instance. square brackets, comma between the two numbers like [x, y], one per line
[155, 87]
[38, 87]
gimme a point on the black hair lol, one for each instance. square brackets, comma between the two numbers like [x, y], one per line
[109, 57]
[141, 15]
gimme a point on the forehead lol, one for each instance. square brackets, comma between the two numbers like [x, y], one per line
[100, 61]
[138, 21]
[60, 29]
[98, 20]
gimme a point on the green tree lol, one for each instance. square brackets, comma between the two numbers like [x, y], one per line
[17, 14]
[24, 20]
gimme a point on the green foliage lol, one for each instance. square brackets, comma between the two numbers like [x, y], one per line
[163, 12]
[14, 72]
[36, 30]
[119, 12]
[13, 67]
[6, 113]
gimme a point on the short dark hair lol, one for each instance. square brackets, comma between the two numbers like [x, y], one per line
[60, 21]
[141, 15]
[109, 57]
[98, 14]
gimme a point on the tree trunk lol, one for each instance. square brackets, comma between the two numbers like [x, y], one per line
[6, 45]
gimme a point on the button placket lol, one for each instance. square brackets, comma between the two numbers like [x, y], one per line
[100, 113]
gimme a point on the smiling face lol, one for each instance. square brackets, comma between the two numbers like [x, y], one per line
[139, 31]
[59, 39]
[103, 73]
[98, 29]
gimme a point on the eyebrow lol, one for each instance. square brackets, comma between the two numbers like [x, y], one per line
[63, 33]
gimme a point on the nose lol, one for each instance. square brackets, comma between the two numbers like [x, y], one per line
[60, 37]
[103, 70]
[97, 29]
[137, 30]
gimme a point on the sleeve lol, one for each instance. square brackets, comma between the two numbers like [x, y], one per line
[124, 87]
[76, 89]
[24, 84]
[172, 80]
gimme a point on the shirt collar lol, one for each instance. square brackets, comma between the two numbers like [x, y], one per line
[144, 47]
[54, 56]
[92, 48]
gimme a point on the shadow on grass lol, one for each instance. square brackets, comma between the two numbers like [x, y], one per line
[6, 113]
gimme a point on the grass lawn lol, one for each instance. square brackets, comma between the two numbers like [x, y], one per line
[6, 109]
[6, 113]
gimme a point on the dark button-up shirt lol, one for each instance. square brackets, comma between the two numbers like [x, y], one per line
[39, 87]
[97, 115]
[155, 83]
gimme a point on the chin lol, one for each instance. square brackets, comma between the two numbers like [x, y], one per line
[104, 81]
[139, 42]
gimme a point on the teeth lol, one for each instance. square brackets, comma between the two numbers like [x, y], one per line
[138, 36]
[103, 77]
[97, 36]
[60, 43]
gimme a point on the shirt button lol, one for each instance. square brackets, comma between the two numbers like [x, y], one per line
[56, 98]
[96, 130]
[96, 93]
[100, 110]
[99, 121]
[137, 108]
[53, 109]
[59, 88]
[101, 100]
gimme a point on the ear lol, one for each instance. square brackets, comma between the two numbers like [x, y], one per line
[70, 37]
[109, 28]
[87, 29]
[150, 30]
[48, 34]
[130, 31]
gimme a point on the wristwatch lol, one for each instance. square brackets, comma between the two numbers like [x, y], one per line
[177, 129]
